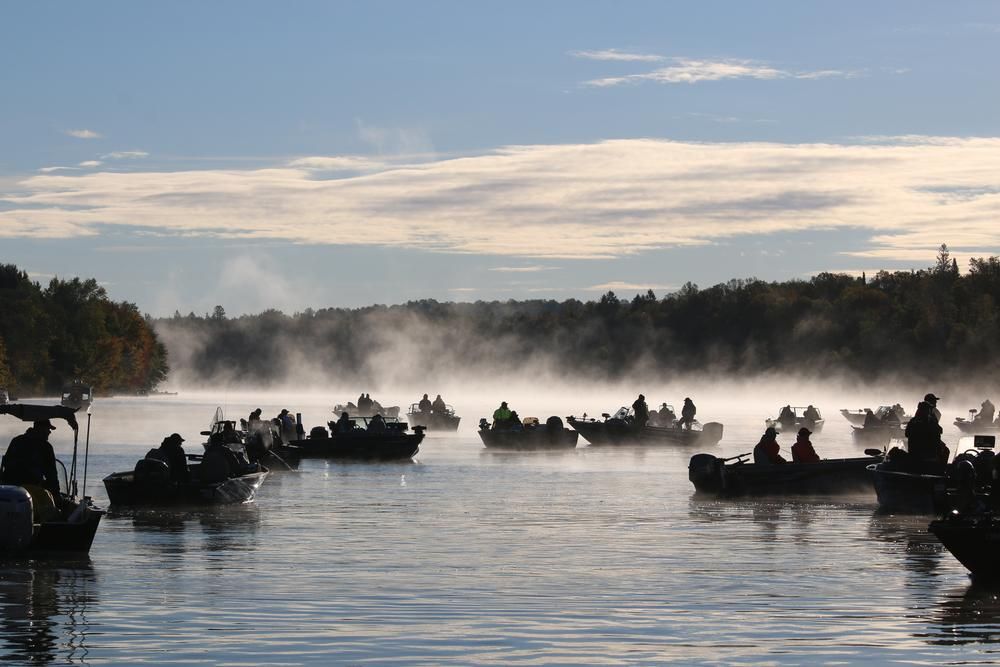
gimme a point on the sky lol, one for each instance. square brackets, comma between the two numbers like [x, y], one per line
[337, 154]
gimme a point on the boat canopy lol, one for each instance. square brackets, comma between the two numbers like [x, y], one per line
[29, 413]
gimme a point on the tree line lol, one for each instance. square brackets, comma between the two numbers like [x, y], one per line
[70, 330]
[927, 324]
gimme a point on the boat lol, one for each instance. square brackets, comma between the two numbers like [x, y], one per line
[972, 427]
[974, 539]
[361, 443]
[621, 429]
[904, 486]
[150, 485]
[353, 411]
[857, 417]
[41, 523]
[529, 435]
[797, 420]
[878, 435]
[433, 420]
[77, 395]
[737, 476]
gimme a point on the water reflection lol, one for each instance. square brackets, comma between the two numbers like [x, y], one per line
[968, 616]
[922, 553]
[43, 611]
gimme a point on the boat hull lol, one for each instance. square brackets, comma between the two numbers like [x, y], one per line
[814, 426]
[529, 439]
[433, 421]
[972, 428]
[617, 432]
[879, 436]
[124, 490]
[358, 446]
[974, 541]
[711, 475]
[901, 492]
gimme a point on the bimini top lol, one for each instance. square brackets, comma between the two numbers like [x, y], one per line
[30, 413]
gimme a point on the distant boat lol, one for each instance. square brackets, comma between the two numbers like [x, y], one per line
[360, 443]
[621, 429]
[354, 411]
[796, 420]
[77, 395]
[857, 417]
[150, 485]
[528, 435]
[433, 420]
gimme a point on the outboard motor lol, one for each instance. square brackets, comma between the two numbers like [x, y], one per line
[318, 433]
[705, 472]
[152, 471]
[15, 518]
[554, 427]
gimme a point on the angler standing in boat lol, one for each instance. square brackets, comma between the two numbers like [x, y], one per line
[501, 416]
[923, 438]
[688, 412]
[641, 411]
[439, 405]
[31, 460]
[802, 450]
[425, 404]
[932, 400]
[767, 450]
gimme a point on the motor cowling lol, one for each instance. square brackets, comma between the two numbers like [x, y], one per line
[16, 527]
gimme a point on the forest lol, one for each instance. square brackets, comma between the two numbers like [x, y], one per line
[71, 330]
[936, 323]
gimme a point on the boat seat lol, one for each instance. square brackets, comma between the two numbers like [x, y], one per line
[43, 505]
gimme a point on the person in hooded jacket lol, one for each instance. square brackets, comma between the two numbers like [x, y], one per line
[802, 450]
[767, 450]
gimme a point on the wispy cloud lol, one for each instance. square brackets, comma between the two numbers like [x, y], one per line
[691, 70]
[124, 155]
[621, 285]
[616, 55]
[602, 200]
[338, 163]
[84, 134]
[91, 163]
[522, 269]
[49, 170]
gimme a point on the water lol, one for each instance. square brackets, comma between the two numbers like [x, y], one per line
[466, 556]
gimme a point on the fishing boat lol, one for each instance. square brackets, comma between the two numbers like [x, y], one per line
[364, 441]
[972, 427]
[150, 485]
[877, 435]
[974, 539]
[530, 434]
[793, 418]
[34, 520]
[737, 476]
[904, 486]
[391, 412]
[77, 395]
[433, 420]
[621, 429]
[857, 417]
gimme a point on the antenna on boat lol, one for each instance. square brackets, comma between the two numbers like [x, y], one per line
[72, 467]
[86, 451]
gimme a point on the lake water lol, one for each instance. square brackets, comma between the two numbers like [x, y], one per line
[590, 556]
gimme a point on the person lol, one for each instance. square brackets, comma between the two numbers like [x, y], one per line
[425, 404]
[361, 402]
[900, 413]
[376, 424]
[767, 450]
[786, 416]
[345, 424]
[932, 400]
[986, 412]
[802, 450]
[254, 421]
[811, 414]
[365, 405]
[688, 412]
[287, 425]
[501, 416]
[667, 415]
[515, 421]
[923, 437]
[31, 460]
[221, 463]
[439, 405]
[641, 411]
[172, 453]
[871, 421]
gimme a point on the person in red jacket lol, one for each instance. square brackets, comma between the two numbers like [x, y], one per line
[767, 449]
[802, 450]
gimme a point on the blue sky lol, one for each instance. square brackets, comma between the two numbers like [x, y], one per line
[304, 154]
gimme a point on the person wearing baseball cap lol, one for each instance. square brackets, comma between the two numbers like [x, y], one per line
[173, 452]
[802, 450]
[31, 460]
[932, 400]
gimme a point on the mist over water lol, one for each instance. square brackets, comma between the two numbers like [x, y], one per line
[589, 556]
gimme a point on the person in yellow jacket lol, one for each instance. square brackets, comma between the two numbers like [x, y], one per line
[502, 416]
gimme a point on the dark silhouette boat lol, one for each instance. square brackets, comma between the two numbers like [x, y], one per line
[530, 435]
[391, 412]
[974, 539]
[906, 486]
[737, 476]
[622, 429]
[77, 395]
[433, 420]
[360, 443]
[973, 427]
[34, 521]
[150, 485]
[857, 417]
[796, 420]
